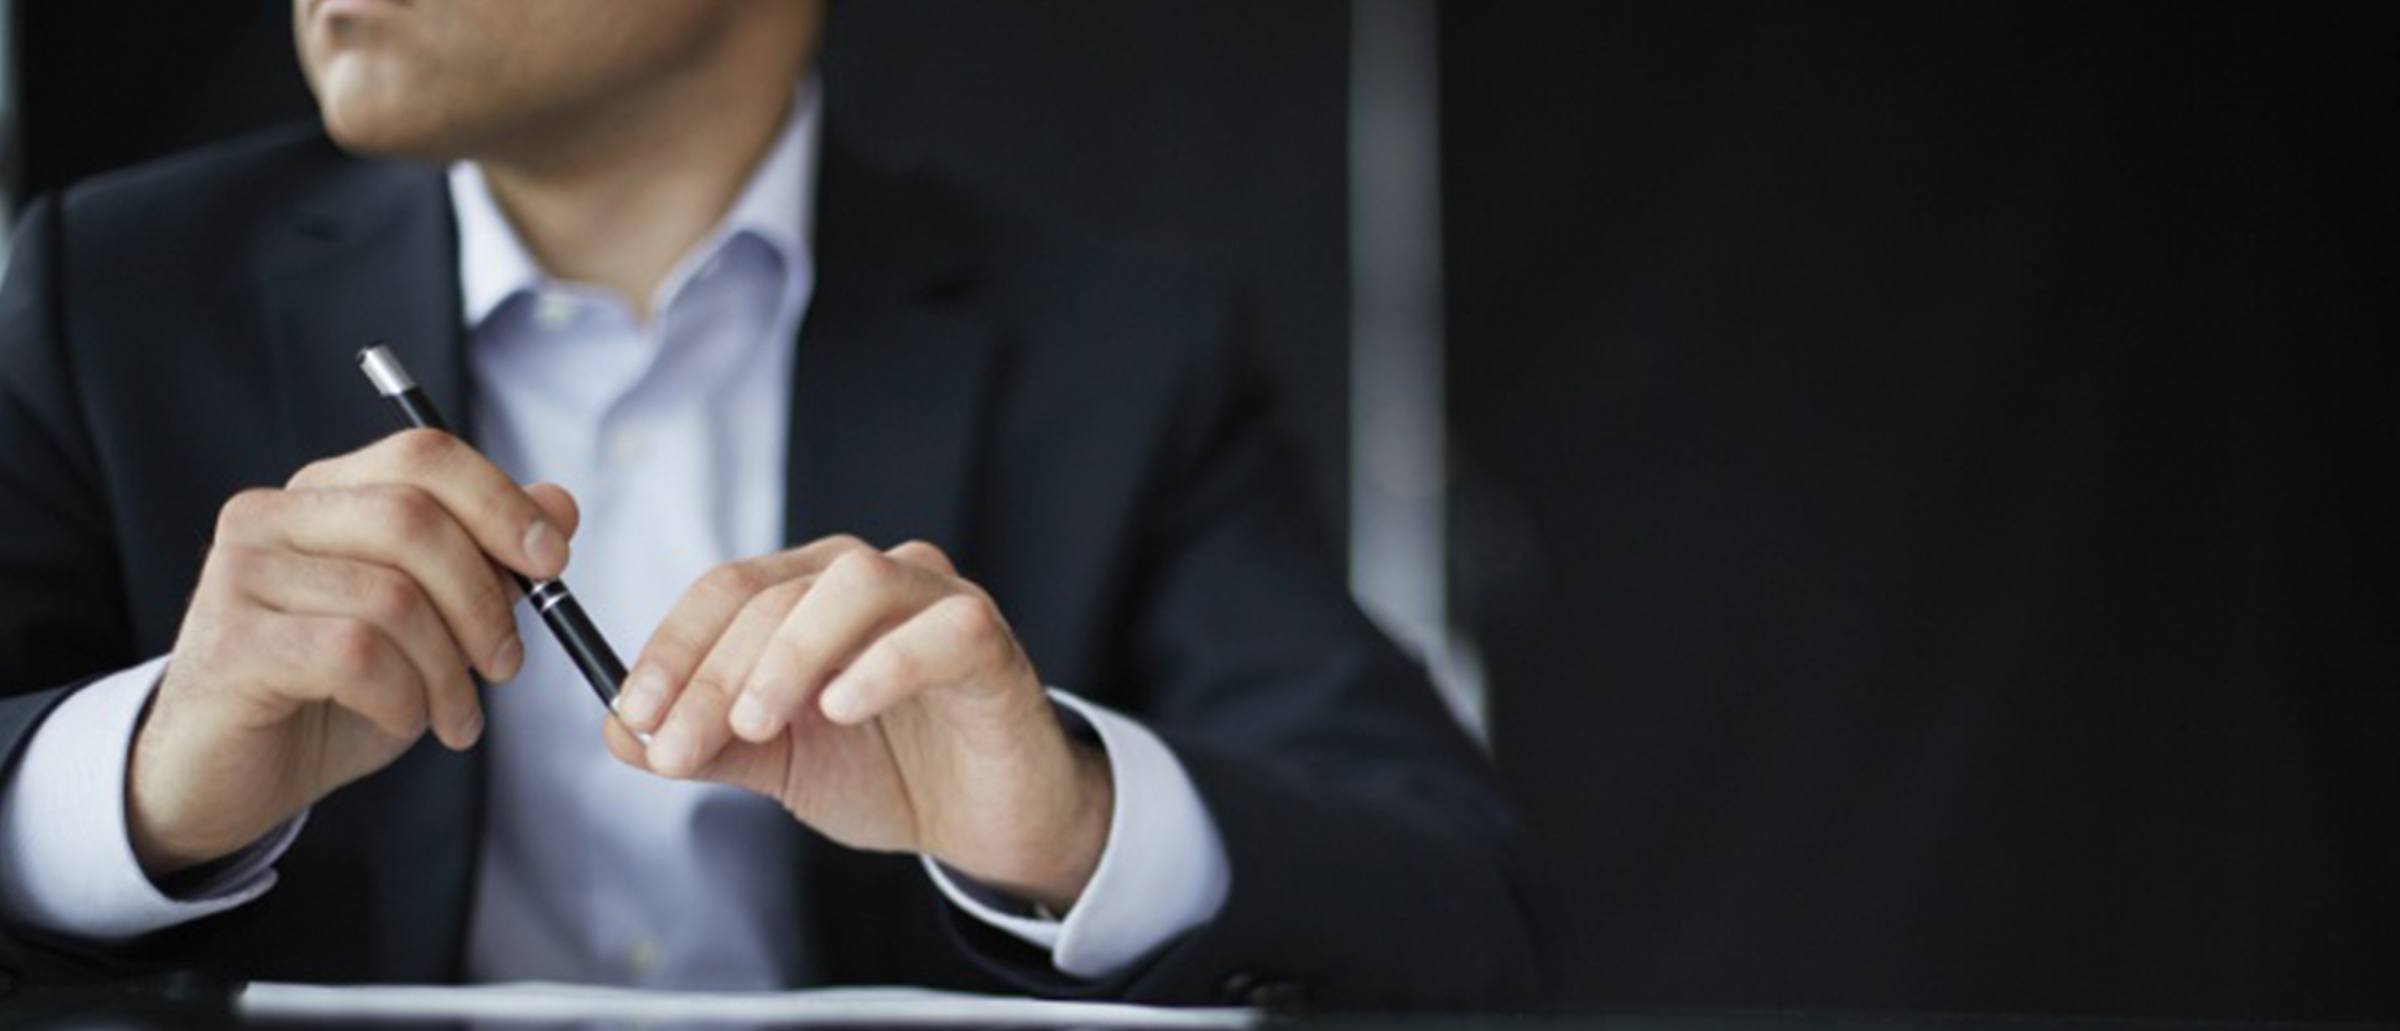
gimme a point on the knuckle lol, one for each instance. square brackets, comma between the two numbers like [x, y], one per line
[708, 684]
[319, 471]
[764, 605]
[420, 448]
[407, 511]
[863, 567]
[782, 596]
[922, 550]
[891, 664]
[351, 648]
[845, 543]
[245, 508]
[971, 616]
[736, 581]
[389, 594]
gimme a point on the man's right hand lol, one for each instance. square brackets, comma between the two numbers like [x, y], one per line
[335, 622]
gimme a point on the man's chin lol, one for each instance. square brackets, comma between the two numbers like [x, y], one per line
[378, 105]
[387, 134]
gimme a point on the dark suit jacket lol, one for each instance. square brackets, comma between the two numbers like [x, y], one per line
[1076, 426]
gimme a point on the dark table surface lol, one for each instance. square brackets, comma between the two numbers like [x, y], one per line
[186, 1003]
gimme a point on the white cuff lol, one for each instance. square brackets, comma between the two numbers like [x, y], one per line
[1162, 871]
[66, 857]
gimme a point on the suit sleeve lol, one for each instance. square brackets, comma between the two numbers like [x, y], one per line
[62, 611]
[1374, 860]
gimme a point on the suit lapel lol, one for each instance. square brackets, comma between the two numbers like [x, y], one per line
[374, 262]
[373, 259]
[891, 380]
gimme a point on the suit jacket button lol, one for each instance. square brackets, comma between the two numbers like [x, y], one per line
[1279, 996]
[1237, 986]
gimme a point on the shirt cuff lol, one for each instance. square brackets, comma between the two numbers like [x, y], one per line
[66, 857]
[1162, 871]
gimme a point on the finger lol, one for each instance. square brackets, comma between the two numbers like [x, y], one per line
[503, 519]
[562, 511]
[923, 554]
[624, 745]
[349, 663]
[309, 585]
[743, 766]
[398, 526]
[953, 641]
[694, 729]
[861, 595]
[558, 506]
[699, 619]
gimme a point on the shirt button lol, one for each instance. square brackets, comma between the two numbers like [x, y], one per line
[626, 446]
[645, 957]
[553, 312]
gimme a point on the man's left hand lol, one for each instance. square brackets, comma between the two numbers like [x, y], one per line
[883, 700]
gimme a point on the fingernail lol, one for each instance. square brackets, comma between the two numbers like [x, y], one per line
[506, 658]
[471, 729]
[544, 546]
[840, 703]
[751, 718]
[644, 692]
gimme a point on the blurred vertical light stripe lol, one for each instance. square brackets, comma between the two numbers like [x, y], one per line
[9, 138]
[1398, 435]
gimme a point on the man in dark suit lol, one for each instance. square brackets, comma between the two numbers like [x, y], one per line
[953, 542]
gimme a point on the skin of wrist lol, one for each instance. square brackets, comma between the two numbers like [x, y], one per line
[166, 839]
[153, 847]
[1056, 874]
[1097, 792]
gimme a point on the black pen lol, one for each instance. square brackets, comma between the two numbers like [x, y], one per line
[573, 629]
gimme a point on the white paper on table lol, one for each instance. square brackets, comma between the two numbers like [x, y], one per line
[542, 1001]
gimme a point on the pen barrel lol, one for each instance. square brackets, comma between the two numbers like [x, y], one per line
[419, 410]
[600, 666]
[576, 633]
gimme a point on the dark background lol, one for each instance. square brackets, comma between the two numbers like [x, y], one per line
[1950, 430]
[1913, 461]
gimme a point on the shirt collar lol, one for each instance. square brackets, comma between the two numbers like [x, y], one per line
[774, 206]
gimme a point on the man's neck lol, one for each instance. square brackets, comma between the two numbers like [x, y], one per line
[619, 200]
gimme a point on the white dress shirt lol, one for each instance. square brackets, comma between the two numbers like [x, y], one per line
[671, 435]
